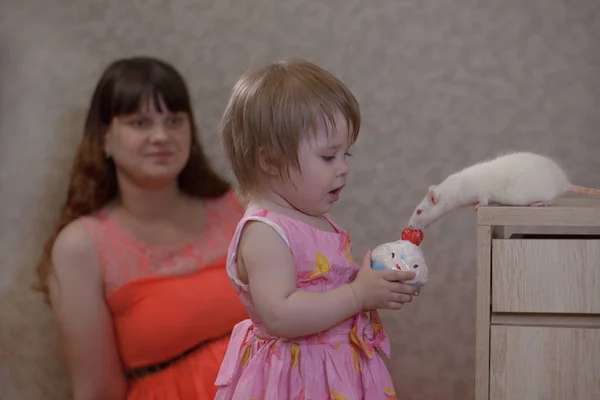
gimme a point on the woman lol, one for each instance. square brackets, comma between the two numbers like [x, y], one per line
[135, 271]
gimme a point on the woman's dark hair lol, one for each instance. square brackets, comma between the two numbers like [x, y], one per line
[122, 90]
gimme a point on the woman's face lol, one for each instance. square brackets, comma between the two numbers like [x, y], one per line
[149, 148]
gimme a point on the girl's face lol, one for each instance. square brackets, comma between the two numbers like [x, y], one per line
[149, 148]
[323, 169]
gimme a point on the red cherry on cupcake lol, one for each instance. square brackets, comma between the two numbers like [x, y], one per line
[414, 236]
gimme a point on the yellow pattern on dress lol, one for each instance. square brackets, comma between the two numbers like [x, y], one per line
[322, 266]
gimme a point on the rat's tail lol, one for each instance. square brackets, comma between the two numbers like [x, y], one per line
[583, 190]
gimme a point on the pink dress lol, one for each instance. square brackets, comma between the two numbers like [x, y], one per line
[340, 363]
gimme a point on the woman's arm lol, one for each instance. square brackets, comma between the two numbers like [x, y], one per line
[82, 318]
[267, 263]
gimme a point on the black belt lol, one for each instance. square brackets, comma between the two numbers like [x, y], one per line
[154, 368]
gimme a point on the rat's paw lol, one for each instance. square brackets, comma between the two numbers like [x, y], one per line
[482, 203]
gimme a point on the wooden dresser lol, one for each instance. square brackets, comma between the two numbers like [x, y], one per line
[538, 302]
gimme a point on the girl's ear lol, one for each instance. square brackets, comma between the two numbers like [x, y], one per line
[432, 195]
[266, 163]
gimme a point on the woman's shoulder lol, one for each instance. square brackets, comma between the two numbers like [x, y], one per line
[228, 203]
[74, 248]
[75, 236]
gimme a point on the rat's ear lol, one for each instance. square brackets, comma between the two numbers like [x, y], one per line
[432, 195]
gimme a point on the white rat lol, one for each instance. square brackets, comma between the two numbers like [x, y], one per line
[402, 255]
[515, 179]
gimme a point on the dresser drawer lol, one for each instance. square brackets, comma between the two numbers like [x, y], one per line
[546, 275]
[549, 363]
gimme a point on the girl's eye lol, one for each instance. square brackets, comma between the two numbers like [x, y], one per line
[331, 158]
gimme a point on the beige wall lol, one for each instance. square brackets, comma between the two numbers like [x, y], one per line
[442, 83]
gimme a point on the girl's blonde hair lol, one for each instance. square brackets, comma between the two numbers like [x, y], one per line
[272, 107]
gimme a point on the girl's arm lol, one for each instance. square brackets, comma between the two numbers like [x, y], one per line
[83, 320]
[265, 259]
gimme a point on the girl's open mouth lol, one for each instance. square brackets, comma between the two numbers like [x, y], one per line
[335, 194]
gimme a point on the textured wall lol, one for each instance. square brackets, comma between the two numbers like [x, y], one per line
[442, 83]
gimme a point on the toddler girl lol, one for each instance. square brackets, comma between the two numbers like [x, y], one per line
[314, 330]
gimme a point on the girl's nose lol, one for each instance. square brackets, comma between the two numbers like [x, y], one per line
[344, 168]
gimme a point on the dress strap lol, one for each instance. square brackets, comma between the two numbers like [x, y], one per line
[260, 216]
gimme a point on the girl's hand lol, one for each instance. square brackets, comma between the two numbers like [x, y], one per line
[381, 289]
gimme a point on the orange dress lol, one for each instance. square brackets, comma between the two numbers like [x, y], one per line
[173, 309]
